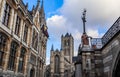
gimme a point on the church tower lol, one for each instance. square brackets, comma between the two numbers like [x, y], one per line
[67, 45]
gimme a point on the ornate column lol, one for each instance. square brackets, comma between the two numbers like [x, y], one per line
[27, 56]
[6, 60]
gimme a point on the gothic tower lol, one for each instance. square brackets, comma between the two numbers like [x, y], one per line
[67, 45]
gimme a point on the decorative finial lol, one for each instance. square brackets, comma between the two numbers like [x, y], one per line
[84, 20]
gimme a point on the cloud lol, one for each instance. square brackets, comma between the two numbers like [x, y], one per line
[47, 60]
[101, 14]
[59, 25]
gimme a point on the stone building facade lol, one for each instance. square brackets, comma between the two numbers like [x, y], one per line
[100, 57]
[23, 39]
[61, 61]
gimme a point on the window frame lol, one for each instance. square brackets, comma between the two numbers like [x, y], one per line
[25, 33]
[17, 25]
[12, 56]
[6, 15]
[3, 41]
[21, 60]
[57, 65]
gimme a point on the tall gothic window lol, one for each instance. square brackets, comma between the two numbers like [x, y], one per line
[6, 15]
[2, 47]
[12, 56]
[25, 33]
[17, 26]
[21, 60]
[65, 42]
[57, 62]
[35, 39]
[32, 71]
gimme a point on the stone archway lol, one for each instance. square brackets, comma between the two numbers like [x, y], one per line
[116, 70]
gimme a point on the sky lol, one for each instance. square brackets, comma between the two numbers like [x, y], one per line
[64, 16]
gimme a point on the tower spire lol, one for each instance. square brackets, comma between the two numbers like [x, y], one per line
[52, 48]
[42, 4]
[84, 20]
[38, 2]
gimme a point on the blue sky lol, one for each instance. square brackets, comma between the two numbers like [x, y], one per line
[52, 4]
[64, 16]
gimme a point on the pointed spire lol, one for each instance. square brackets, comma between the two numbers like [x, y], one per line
[52, 48]
[42, 5]
[84, 20]
[38, 1]
[26, 6]
[62, 35]
[42, 12]
[33, 8]
[38, 4]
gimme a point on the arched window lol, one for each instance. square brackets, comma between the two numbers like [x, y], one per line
[57, 62]
[3, 40]
[32, 71]
[21, 60]
[66, 73]
[12, 56]
[68, 42]
[65, 43]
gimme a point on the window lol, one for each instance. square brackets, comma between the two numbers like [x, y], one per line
[25, 33]
[35, 39]
[21, 60]
[32, 71]
[65, 42]
[33, 58]
[57, 60]
[12, 56]
[68, 43]
[6, 15]
[17, 26]
[2, 47]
